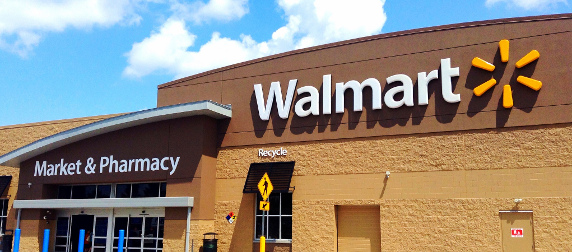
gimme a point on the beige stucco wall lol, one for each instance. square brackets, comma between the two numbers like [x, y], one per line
[16, 136]
[174, 238]
[449, 186]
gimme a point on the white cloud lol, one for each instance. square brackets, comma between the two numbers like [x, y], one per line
[309, 23]
[199, 12]
[23, 22]
[163, 48]
[528, 4]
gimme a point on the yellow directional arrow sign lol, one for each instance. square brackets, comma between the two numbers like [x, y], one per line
[264, 206]
[265, 186]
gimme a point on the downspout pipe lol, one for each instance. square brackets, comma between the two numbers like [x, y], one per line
[18, 218]
[188, 232]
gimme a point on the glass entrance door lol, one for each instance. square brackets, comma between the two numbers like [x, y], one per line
[142, 234]
[143, 229]
[70, 222]
[68, 228]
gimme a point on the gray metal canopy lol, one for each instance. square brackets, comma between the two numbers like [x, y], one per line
[207, 108]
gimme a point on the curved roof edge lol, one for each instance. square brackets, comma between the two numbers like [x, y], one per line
[374, 37]
[207, 108]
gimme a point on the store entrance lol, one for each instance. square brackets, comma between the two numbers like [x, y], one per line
[143, 229]
[79, 222]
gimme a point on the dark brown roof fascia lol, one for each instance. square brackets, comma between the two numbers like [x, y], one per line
[375, 37]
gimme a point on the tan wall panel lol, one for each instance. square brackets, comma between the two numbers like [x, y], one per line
[522, 220]
[500, 183]
[313, 225]
[16, 136]
[436, 224]
[239, 235]
[526, 147]
[31, 237]
[11, 193]
[174, 236]
[358, 228]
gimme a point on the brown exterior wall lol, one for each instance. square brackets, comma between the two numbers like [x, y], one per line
[399, 53]
[193, 139]
[16, 136]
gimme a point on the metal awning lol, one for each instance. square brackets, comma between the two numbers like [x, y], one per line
[206, 108]
[280, 174]
[105, 203]
[4, 183]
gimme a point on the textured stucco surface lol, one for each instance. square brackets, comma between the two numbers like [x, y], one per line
[539, 146]
[16, 136]
[174, 239]
[444, 194]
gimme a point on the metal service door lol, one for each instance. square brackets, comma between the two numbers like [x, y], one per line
[517, 231]
[358, 228]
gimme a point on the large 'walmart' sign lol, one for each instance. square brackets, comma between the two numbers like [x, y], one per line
[405, 90]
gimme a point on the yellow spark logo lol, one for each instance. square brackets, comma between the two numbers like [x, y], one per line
[507, 101]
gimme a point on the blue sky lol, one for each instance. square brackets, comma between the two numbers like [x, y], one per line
[64, 59]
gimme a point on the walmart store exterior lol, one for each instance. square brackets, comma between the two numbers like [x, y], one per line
[395, 142]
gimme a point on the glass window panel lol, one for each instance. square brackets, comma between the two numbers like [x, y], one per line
[161, 225]
[123, 191]
[120, 224]
[273, 228]
[151, 224]
[61, 241]
[149, 243]
[279, 222]
[60, 249]
[134, 243]
[3, 227]
[258, 226]
[274, 204]
[163, 189]
[103, 191]
[101, 226]
[258, 199]
[286, 205]
[4, 207]
[145, 190]
[83, 192]
[116, 241]
[286, 227]
[99, 242]
[135, 226]
[149, 250]
[99, 250]
[134, 250]
[160, 243]
[64, 192]
[62, 226]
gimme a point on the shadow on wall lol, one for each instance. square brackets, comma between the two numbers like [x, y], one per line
[385, 117]
[524, 99]
[243, 228]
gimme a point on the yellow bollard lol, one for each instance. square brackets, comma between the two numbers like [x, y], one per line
[262, 244]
